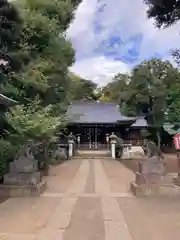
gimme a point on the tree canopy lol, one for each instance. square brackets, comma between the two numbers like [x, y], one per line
[11, 27]
[164, 12]
[38, 53]
[150, 90]
[113, 90]
[81, 88]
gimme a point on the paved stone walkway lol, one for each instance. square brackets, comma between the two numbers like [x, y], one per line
[89, 199]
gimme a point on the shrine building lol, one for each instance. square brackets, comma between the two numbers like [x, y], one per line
[93, 121]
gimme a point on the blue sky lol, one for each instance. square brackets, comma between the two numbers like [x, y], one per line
[112, 36]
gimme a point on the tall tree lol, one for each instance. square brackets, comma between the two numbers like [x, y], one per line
[173, 103]
[11, 26]
[39, 80]
[114, 89]
[49, 52]
[147, 92]
[81, 88]
[166, 13]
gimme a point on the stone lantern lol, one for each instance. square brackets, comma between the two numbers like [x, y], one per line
[71, 144]
[113, 139]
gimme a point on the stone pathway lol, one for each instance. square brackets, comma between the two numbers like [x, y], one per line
[89, 199]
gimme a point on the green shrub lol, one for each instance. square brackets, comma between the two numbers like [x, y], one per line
[7, 153]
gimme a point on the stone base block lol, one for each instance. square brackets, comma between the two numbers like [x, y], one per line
[140, 190]
[137, 190]
[22, 178]
[140, 178]
[23, 191]
[155, 190]
[176, 181]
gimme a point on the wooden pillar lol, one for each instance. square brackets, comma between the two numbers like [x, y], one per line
[95, 136]
[90, 143]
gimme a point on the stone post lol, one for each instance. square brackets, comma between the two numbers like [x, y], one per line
[78, 141]
[113, 148]
[107, 140]
[71, 145]
[113, 142]
[128, 151]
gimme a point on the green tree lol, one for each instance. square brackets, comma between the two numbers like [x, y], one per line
[11, 26]
[114, 89]
[147, 92]
[81, 88]
[164, 12]
[48, 52]
[43, 55]
[173, 103]
[32, 122]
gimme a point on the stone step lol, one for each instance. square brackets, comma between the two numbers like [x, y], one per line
[93, 154]
[162, 190]
[97, 153]
[92, 157]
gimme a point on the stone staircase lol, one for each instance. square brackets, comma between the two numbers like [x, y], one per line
[93, 154]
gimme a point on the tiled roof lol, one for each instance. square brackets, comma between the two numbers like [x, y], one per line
[96, 112]
[140, 122]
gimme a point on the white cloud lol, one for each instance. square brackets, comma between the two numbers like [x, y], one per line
[99, 69]
[125, 19]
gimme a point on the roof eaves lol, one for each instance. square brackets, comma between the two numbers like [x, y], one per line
[7, 101]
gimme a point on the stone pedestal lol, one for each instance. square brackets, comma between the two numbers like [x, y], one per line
[176, 180]
[21, 179]
[148, 176]
[24, 179]
[23, 191]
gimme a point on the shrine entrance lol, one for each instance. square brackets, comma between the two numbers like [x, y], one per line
[93, 137]
[91, 122]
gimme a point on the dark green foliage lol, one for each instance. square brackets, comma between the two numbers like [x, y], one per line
[10, 26]
[164, 12]
[113, 90]
[119, 147]
[151, 91]
[7, 153]
[33, 41]
[81, 88]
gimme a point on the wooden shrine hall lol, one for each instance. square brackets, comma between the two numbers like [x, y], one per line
[94, 121]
